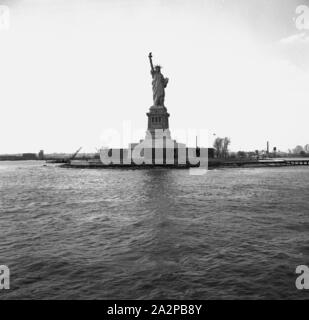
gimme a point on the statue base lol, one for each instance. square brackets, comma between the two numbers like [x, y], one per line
[157, 122]
[158, 146]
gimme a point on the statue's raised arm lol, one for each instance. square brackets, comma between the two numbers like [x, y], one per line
[150, 60]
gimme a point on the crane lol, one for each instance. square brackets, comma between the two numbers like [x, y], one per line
[75, 154]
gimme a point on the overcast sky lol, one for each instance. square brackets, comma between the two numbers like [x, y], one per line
[71, 69]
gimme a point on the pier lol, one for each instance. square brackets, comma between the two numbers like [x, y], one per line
[276, 162]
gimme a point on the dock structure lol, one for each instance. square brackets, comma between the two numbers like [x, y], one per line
[276, 162]
[297, 162]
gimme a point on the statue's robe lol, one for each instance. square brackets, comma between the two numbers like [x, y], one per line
[158, 85]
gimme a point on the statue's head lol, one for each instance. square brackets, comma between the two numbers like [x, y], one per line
[158, 68]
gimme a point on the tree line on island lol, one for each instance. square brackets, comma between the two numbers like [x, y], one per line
[221, 146]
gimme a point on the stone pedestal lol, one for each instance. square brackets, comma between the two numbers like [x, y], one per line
[158, 125]
[158, 147]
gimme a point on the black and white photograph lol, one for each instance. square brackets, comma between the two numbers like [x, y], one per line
[154, 150]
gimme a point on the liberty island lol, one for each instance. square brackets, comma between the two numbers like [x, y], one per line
[157, 148]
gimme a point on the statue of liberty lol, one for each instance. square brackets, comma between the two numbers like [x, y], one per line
[159, 84]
